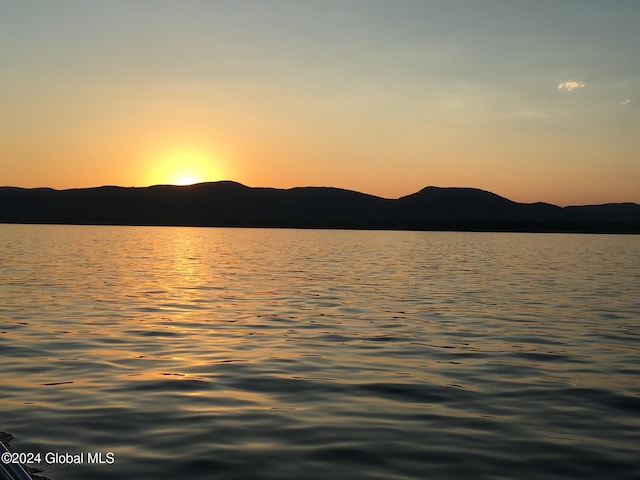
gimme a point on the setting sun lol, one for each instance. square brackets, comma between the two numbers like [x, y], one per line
[187, 178]
[184, 165]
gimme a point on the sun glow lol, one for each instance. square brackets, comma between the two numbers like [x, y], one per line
[186, 178]
[183, 166]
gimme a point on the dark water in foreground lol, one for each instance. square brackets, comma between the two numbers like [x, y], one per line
[285, 354]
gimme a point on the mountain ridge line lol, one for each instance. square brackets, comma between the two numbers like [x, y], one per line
[229, 203]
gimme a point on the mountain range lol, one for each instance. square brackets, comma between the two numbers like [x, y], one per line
[232, 204]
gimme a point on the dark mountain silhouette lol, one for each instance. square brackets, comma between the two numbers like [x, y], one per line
[233, 204]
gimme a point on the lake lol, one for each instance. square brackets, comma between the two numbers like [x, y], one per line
[203, 353]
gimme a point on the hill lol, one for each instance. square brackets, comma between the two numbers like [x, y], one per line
[233, 204]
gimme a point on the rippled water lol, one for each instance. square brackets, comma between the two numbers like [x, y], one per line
[203, 353]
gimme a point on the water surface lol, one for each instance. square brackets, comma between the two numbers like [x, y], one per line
[203, 353]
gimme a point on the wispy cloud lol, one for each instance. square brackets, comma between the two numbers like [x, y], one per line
[625, 102]
[570, 86]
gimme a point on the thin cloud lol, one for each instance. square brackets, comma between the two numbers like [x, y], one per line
[625, 102]
[570, 86]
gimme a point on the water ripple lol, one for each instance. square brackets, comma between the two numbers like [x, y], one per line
[281, 354]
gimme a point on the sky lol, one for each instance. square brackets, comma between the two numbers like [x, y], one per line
[535, 100]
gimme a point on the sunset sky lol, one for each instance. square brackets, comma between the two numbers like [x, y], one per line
[536, 100]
